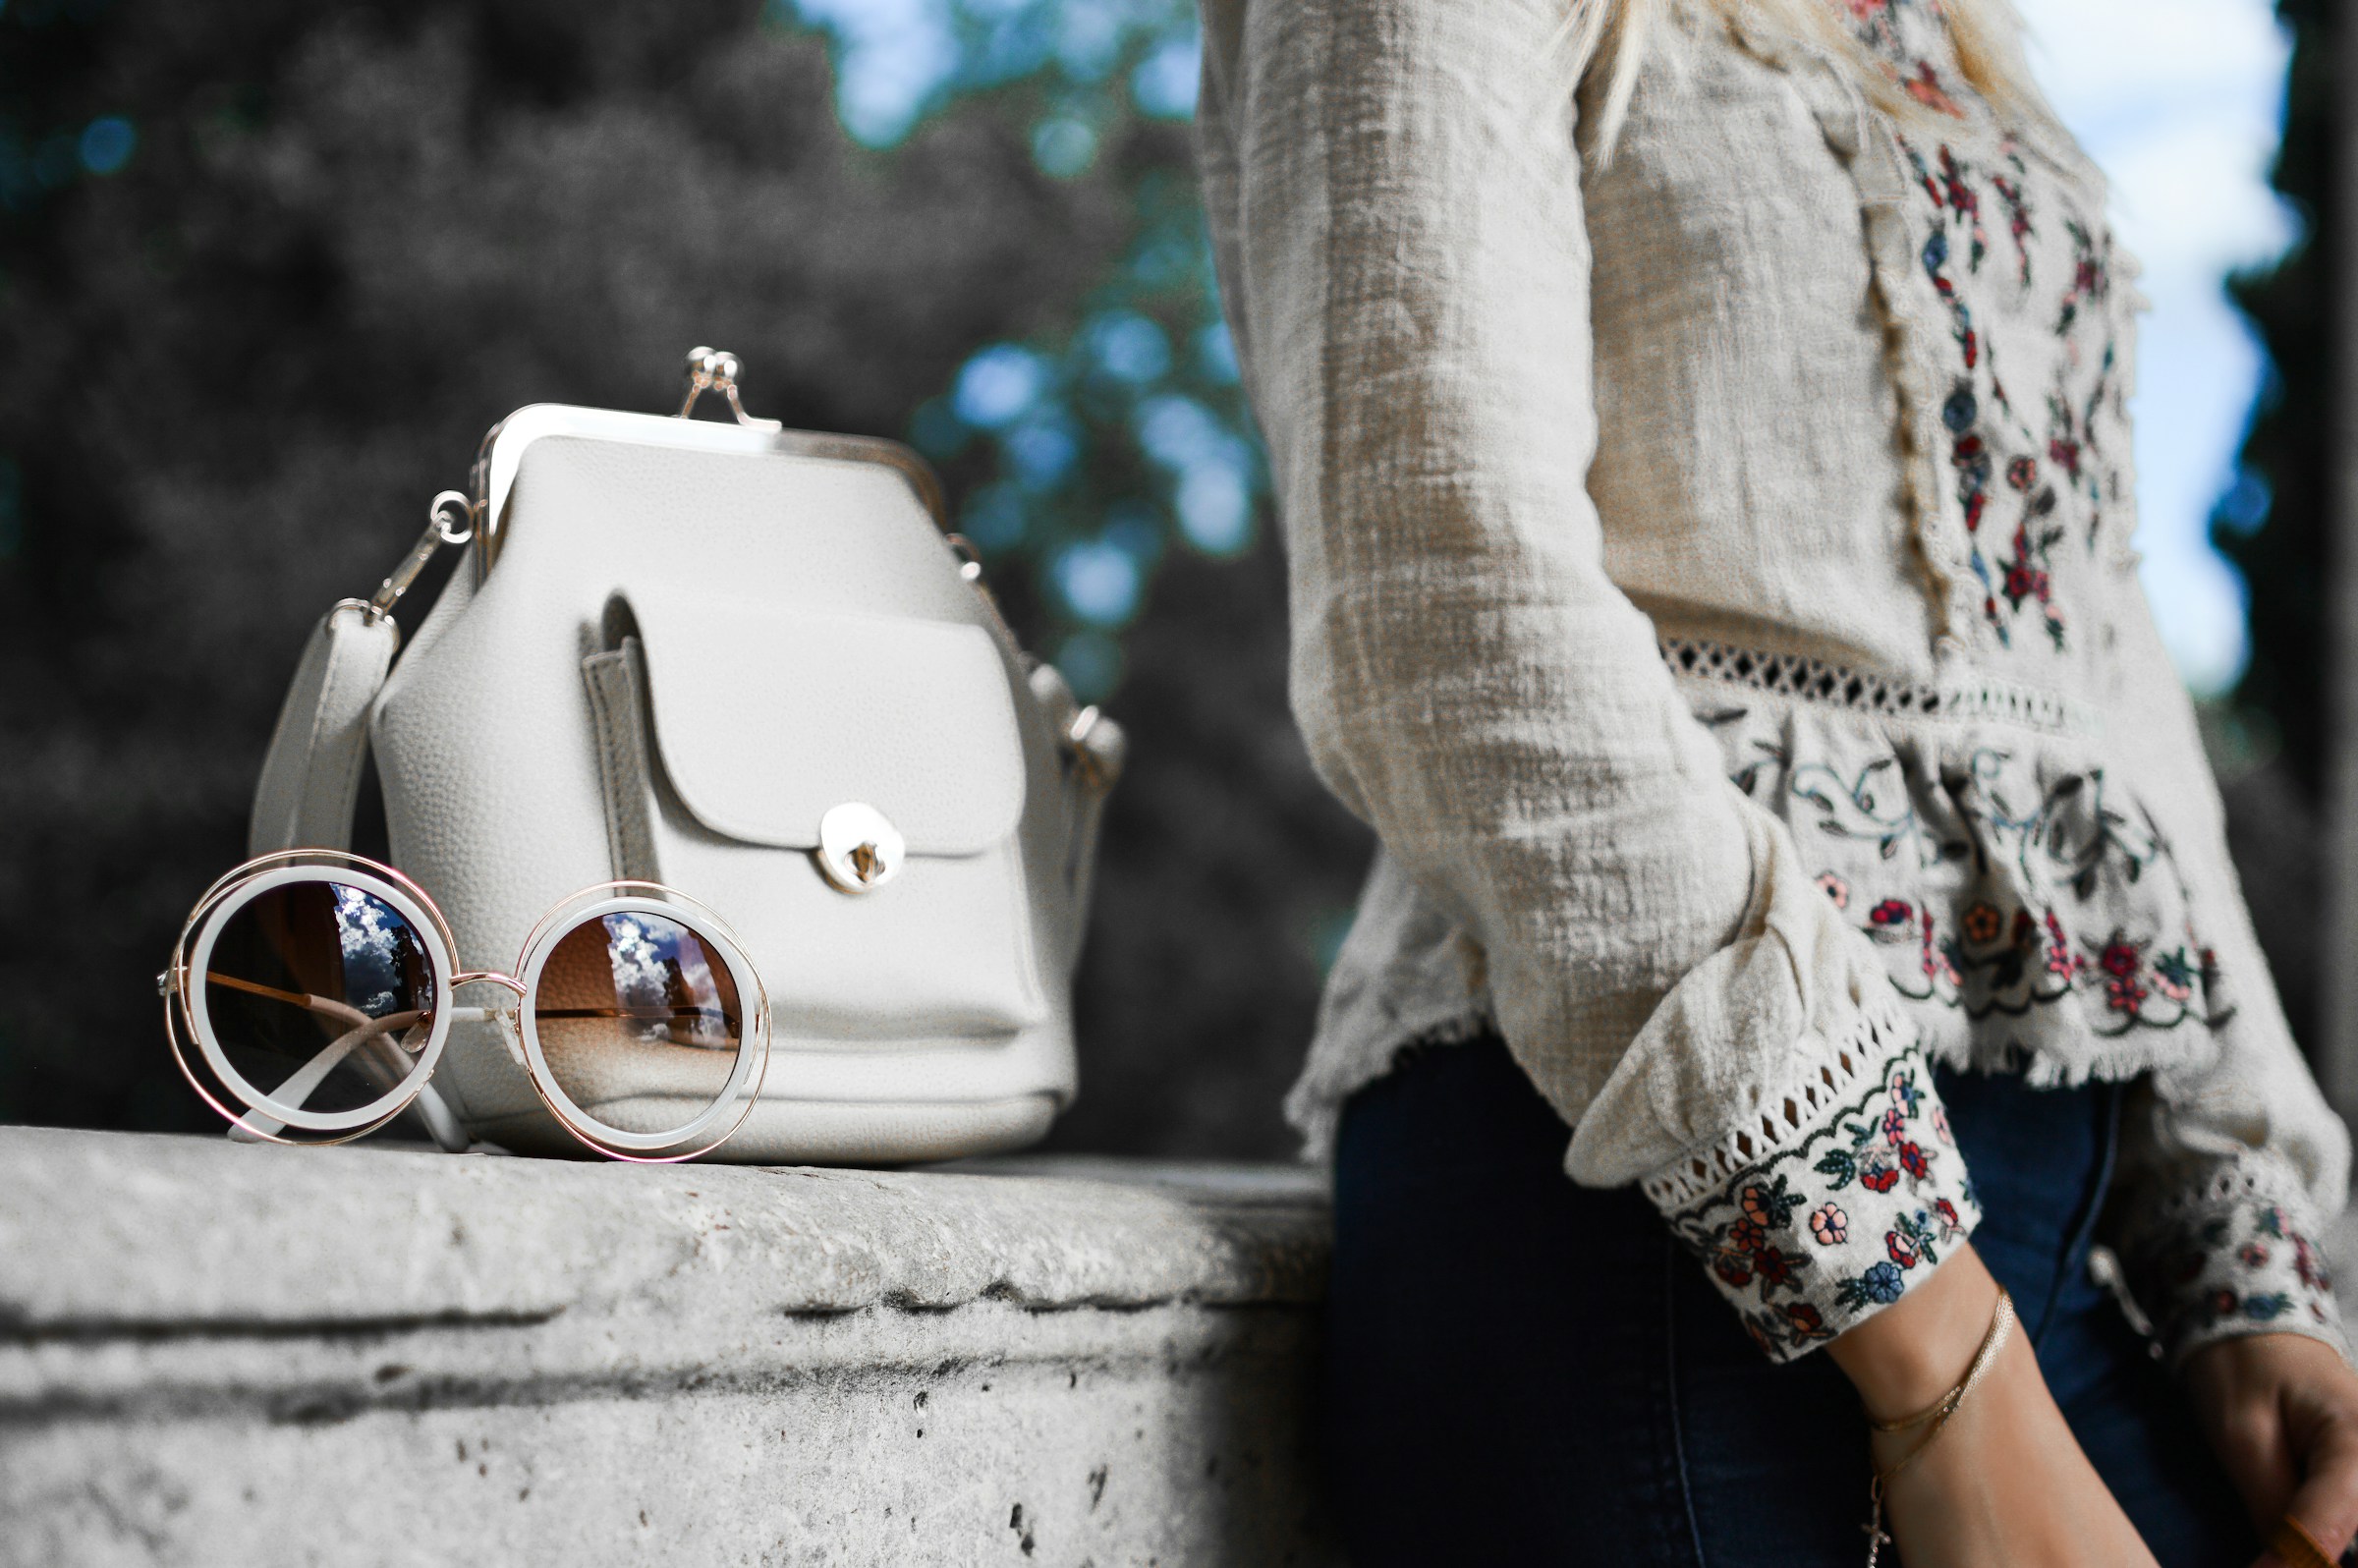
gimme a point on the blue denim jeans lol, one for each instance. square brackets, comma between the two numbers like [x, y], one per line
[1522, 1370]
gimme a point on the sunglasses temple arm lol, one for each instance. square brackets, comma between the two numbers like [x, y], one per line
[432, 1107]
[255, 1128]
[435, 1112]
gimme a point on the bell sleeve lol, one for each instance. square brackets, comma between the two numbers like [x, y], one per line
[2231, 1165]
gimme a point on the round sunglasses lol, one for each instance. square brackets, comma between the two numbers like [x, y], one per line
[311, 993]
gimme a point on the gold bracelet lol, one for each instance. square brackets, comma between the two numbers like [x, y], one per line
[2291, 1540]
[1938, 1414]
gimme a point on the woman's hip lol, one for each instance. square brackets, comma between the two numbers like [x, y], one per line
[1523, 1370]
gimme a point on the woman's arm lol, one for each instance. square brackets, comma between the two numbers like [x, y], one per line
[1396, 197]
[2232, 1167]
[2006, 1483]
[2231, 1163]
[1394, 194]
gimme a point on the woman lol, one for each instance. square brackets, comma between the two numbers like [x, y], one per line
[1701, 440]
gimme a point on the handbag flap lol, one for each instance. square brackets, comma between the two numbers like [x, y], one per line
[765, 716]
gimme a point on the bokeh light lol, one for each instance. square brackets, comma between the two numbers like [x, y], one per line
[1125, 435]
[107, 143]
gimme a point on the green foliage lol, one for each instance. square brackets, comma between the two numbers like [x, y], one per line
[1110, 444]
[1090, 450]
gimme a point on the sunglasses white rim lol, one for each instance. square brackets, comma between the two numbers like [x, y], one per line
[646, 898]
[234, 894]
[240, 886]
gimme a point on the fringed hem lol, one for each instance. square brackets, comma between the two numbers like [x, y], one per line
[1314, 1106]
[2117, 1062]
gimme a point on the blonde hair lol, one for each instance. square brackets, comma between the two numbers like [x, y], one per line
[1611, 35]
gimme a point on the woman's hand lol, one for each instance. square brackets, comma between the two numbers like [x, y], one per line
[2006, 1485]
[2282, 1414]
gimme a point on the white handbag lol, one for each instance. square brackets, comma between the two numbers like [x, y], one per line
[749, 663]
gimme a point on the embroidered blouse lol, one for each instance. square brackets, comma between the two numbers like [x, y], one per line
[1712, 578]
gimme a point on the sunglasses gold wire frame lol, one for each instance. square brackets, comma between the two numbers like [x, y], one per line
[386, 1050]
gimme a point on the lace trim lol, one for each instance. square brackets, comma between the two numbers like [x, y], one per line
[2259, 1175]
[1842, 1067]
[1854, 134]
[1833, 1203]
[1815, 680]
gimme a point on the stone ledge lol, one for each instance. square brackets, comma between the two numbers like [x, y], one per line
[212, 1353]
[188, 1231]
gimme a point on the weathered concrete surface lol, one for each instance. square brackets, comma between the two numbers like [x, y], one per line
[220, 1354]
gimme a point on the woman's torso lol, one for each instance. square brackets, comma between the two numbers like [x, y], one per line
[1862, 396]
[1861, 388]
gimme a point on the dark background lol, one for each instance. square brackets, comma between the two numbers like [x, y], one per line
[269, 270]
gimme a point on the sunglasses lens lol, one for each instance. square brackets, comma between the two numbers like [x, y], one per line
[640, 1020]
[320, 996]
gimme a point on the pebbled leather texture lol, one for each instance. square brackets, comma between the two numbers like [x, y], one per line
[311, 773]
[789, 627]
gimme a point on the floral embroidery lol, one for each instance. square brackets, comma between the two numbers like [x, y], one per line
[1801, 1264]
[1879, 1285]
[2091, 277]
[2036, 962]
[1880, 1151]
[1925, 87]
[2042, 863]
[2229, 1260]
[2011, 193]
[2027, 577]
[1951, 189]
[2063, 342]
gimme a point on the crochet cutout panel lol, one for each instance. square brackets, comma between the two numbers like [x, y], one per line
[1813, 679]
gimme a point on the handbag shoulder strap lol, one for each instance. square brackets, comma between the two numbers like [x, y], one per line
[311, 774]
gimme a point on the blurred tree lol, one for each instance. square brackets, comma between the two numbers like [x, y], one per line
[1095, 447]
[268, 270]
[1112, 456]
[2276, 522]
